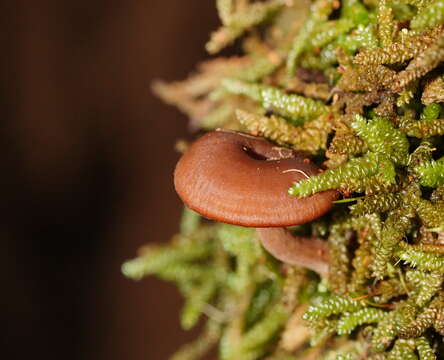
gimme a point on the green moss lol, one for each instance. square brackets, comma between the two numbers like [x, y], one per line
[357, 85]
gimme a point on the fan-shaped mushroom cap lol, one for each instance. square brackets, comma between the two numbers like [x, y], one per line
[240, 179]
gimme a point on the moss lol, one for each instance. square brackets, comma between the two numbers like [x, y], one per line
[357, 86]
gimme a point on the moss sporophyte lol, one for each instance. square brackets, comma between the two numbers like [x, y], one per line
[329, 97]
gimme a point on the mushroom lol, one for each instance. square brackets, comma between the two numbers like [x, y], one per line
[241, 179]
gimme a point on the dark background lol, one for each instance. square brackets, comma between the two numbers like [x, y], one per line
[86, 159]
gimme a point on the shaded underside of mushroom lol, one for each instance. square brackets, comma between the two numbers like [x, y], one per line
[309, 252]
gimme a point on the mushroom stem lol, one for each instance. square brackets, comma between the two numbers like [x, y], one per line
[312, 253]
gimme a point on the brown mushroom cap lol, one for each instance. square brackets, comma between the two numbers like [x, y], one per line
[244, 180]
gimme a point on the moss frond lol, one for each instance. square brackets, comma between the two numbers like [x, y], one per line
[366, 78]
[349, 321]
[394, 230]
[425, 351]
[421, 65]
[319, 12]
[381, 137]
[421, 260]
[431, 174]
[426, 285]
[386, 24]
[339, 241]
[400, 51]
[294, 107]
[433, 91]
[291, 106]
[426, 319]
[379, 203]
[237, 22]
[350, 176]
[347, 144]
[310, 138]
[333, 305]
[428, 16]
[424, 128]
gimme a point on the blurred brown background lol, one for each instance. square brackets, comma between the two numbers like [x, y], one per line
[86, 172]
